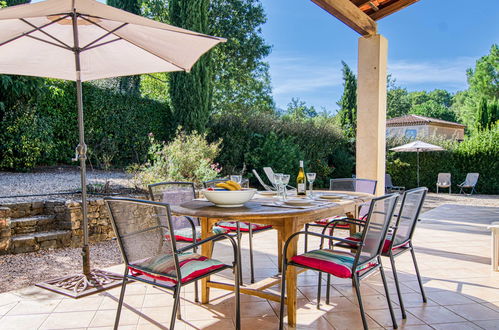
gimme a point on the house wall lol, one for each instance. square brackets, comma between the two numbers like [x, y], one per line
[422, 131]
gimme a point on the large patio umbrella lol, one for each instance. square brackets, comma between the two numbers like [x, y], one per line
[83, 40]
[417, 146]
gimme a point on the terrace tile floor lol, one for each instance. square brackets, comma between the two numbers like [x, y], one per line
[453, 250]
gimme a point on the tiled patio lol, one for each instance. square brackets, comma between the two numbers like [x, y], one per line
[454, 258]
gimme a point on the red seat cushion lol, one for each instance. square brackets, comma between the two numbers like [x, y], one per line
[162, 267]
[185, 234]
[337, 263]
[243, 226]
[325, 221]
[358, 236]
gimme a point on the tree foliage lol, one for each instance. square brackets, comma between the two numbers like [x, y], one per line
[298, 110]
[191, 93]
[348, 102]
[241, 77]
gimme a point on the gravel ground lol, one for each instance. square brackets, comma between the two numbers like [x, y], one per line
[21, 270]
[49, 180]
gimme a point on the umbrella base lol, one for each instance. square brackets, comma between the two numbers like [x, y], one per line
[81, 285]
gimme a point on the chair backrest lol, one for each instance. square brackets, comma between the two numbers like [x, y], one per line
[408, 214]
[444, 179]
[264, 185]
[173, 193]
[143, 230]
[213, 183]
[388, 181]
[377, 223]
[270, 174]
[471, 179]
[358, 185]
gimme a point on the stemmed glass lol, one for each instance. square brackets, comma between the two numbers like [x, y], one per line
[278, 182]
[285, 182]
[311, 179]
[237, 178]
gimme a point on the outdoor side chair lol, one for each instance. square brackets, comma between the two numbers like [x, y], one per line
[239, 228]
[149, 249]
[469, 183]
[345, 264]
[269, 172]
[186, 229]
[345, 184]
[444, 181]
[399, 238]
[389, 187]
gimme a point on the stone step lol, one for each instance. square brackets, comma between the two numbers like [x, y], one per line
[37, 223]
[42, 240]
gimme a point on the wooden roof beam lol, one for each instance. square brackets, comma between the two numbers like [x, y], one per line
[390, 9]
[349, 14]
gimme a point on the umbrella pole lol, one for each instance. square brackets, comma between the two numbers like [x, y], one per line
[417, 156]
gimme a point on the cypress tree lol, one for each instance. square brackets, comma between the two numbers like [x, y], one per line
[191, 93]
[129, 85]
[348, 102]
[482, 115]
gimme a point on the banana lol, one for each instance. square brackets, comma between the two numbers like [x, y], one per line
[234, 184]
[224, 185]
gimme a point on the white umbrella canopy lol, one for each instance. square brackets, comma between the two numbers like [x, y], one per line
[38, 40]
[82, 40]
[417, 146]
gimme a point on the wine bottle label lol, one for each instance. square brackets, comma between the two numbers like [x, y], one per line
[301, 187]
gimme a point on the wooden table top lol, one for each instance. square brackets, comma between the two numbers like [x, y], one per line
[256, 208]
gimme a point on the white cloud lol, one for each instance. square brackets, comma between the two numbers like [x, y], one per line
[449, 73]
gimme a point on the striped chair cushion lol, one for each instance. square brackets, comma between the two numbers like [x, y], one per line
[243, 226]
[337, 263]
[185, 234]
[358, 236]
[162, 267]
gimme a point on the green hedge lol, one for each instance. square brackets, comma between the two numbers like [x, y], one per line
[44, 131]
[265, 140]
[477, 153]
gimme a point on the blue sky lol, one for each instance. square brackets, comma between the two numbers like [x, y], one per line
[430, 45]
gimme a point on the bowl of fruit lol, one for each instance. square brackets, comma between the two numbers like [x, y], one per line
[228, 194]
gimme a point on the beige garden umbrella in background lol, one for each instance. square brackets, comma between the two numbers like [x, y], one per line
[417, 146]
[84, 40]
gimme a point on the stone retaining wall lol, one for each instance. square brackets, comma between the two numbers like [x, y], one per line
[20, 234]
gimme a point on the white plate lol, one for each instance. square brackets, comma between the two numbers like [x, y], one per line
[331, 196]
[267, 193]
[298, 202]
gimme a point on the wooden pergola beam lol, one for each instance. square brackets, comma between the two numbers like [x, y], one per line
[349, 14]
[396, 6]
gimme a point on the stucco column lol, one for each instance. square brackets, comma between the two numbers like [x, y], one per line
[371, 109]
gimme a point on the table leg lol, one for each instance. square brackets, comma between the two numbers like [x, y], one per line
[279, 249]
[291, 274]
[206, 251]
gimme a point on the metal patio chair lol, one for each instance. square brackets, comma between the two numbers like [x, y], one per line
[444, 181]
[345, 184]
[149, 249]
[389, 187]
[186, 229]
[344, 264]
[469, 183]
[399, 238]
[239, 228]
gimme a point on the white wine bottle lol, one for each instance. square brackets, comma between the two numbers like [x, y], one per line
[301, 182]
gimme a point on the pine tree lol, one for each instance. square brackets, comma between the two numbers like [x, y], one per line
[191, 93]
[348, 102]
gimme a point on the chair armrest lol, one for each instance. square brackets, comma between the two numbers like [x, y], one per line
[204, 241]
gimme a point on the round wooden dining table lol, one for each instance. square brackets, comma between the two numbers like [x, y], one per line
[284, 219]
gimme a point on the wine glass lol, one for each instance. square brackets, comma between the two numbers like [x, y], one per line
[285, 182]
[278, 182]
[311, 179]
[237, 178]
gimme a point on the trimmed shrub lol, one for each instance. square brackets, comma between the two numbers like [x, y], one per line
[265, 140]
